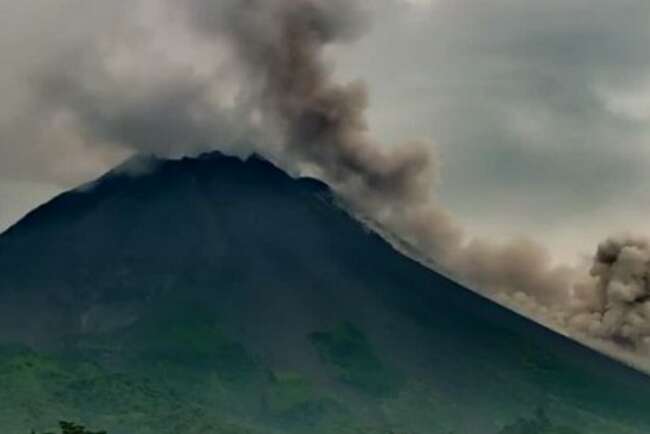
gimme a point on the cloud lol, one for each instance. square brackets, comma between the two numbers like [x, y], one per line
[35, 145]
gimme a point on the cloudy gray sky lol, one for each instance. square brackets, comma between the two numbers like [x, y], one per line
[540, 111]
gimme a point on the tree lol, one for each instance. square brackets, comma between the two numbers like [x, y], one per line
[73, 428]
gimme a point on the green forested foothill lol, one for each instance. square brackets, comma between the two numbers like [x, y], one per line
[142, 397]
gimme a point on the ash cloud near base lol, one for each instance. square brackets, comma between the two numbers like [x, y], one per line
[263, 77]
[616, 305]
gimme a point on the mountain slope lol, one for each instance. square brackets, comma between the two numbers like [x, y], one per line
[216, 295]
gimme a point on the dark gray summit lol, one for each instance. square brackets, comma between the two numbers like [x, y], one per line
[219, 295]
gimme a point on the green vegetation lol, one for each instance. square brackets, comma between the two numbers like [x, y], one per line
[351, 353]
[43, 388]
[539, 424]
[198, 345]
[288, 392]
[183, 375]
[291, 399]
[186, 335]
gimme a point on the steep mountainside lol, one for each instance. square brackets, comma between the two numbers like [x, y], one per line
[214, 295]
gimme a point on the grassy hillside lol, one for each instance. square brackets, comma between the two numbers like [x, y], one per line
[187, 377]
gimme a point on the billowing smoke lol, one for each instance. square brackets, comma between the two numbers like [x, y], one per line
[616, 305]
[265, 84]
[279, 45]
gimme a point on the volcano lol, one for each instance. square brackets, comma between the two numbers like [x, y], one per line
[220, 295]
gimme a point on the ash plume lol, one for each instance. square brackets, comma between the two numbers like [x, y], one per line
[279, 44]
[616, 304]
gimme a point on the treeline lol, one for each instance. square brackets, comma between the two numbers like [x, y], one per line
[72, 428]
[540, 423]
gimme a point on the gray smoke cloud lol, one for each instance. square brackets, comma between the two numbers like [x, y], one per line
[616, 304]
[279, 45]
[264, 83]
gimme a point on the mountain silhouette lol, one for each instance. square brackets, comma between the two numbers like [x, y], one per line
[220, 295]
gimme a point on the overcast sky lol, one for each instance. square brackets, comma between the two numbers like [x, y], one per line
[540, 110]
